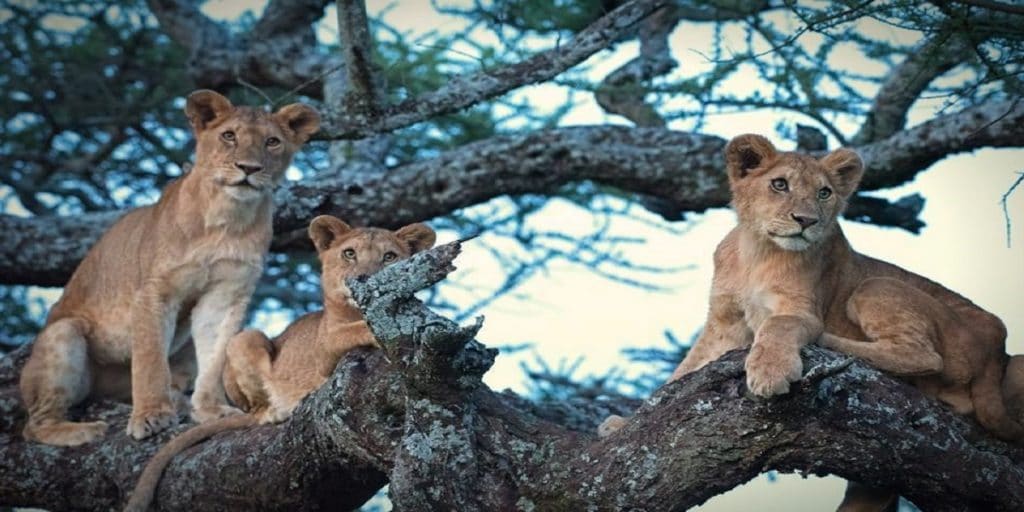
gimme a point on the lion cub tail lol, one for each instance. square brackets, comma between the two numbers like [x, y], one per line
[142, 496]
[990, 400]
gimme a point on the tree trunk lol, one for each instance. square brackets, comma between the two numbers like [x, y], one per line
[416, 414]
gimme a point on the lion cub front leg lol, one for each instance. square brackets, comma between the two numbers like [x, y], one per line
[217, 316]
[774, 359]
[725, 329]
[152, 405]
[349, 336]
[247, 372]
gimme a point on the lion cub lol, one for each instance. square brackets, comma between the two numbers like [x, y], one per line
[183, 267]
[786, 276]
[268, 378]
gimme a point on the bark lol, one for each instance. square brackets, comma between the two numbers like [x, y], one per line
[416, 414]
[682, 168]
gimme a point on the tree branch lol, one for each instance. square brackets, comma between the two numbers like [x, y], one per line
[361, 92]
[904, 85]
[274, 54]
[622, 92]
[683, 168]
[285, 16]
[428, 425]
[462, 92]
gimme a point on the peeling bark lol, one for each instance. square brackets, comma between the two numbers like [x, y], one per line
[682, 168]
[416, 414]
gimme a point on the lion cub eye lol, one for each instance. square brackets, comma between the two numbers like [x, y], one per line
[780, 185]
[389, 257]
[824, 193]
[228, 136]
[349, 254]
[273, 142]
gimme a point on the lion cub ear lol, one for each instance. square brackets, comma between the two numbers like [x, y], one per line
[204, 106]
[325, 229]
[845, 168]
[745, 153]
[419, 237]
[300, 121]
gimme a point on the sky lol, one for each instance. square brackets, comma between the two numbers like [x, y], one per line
[571, 313]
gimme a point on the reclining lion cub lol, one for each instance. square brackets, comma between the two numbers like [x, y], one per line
[269, 378]
[786, 276]
[182, 267]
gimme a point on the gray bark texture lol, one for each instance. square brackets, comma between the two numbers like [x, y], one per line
[685, 169]
[417, 415]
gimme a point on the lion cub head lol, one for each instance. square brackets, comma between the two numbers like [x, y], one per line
[351, 252]
[789, 198]
[243, 149]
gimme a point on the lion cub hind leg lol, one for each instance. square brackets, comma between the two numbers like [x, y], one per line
[989, 405]
[1013, 388]
[56, 377]
[247, 370]
[861, 498]
[898, 321]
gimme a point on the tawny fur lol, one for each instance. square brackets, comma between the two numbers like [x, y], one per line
[164, 278]
[268, 378]
[786, 276]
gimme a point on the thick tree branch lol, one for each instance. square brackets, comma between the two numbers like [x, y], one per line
[273, 54]
[683, 168]
[285, 16]
[361, 91]
[427, 424]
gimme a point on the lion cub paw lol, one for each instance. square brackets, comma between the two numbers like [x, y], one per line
[610, 425]
[769, 371]
[209, 413]
[276, 414]
[145, 423]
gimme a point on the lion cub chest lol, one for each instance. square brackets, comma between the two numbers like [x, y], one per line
[760, 291]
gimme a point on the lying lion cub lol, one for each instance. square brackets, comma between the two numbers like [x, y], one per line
[269, 378]
[786, 276]
[182, 267]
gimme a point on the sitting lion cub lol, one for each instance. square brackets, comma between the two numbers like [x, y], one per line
[786, 276]
[182, 267]
[269, 378]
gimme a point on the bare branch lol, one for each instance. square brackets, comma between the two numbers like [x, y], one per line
[905, 83]
[680, 167]
[361, 92]
[1003, 201]
[462, 92]
[285, 16]
[622, 92]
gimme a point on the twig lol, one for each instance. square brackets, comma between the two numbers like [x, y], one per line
[303, 85]
[270, 102]
[1006, 210]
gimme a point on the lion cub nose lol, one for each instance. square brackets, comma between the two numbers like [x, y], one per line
[249, 167]
[804, 220]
